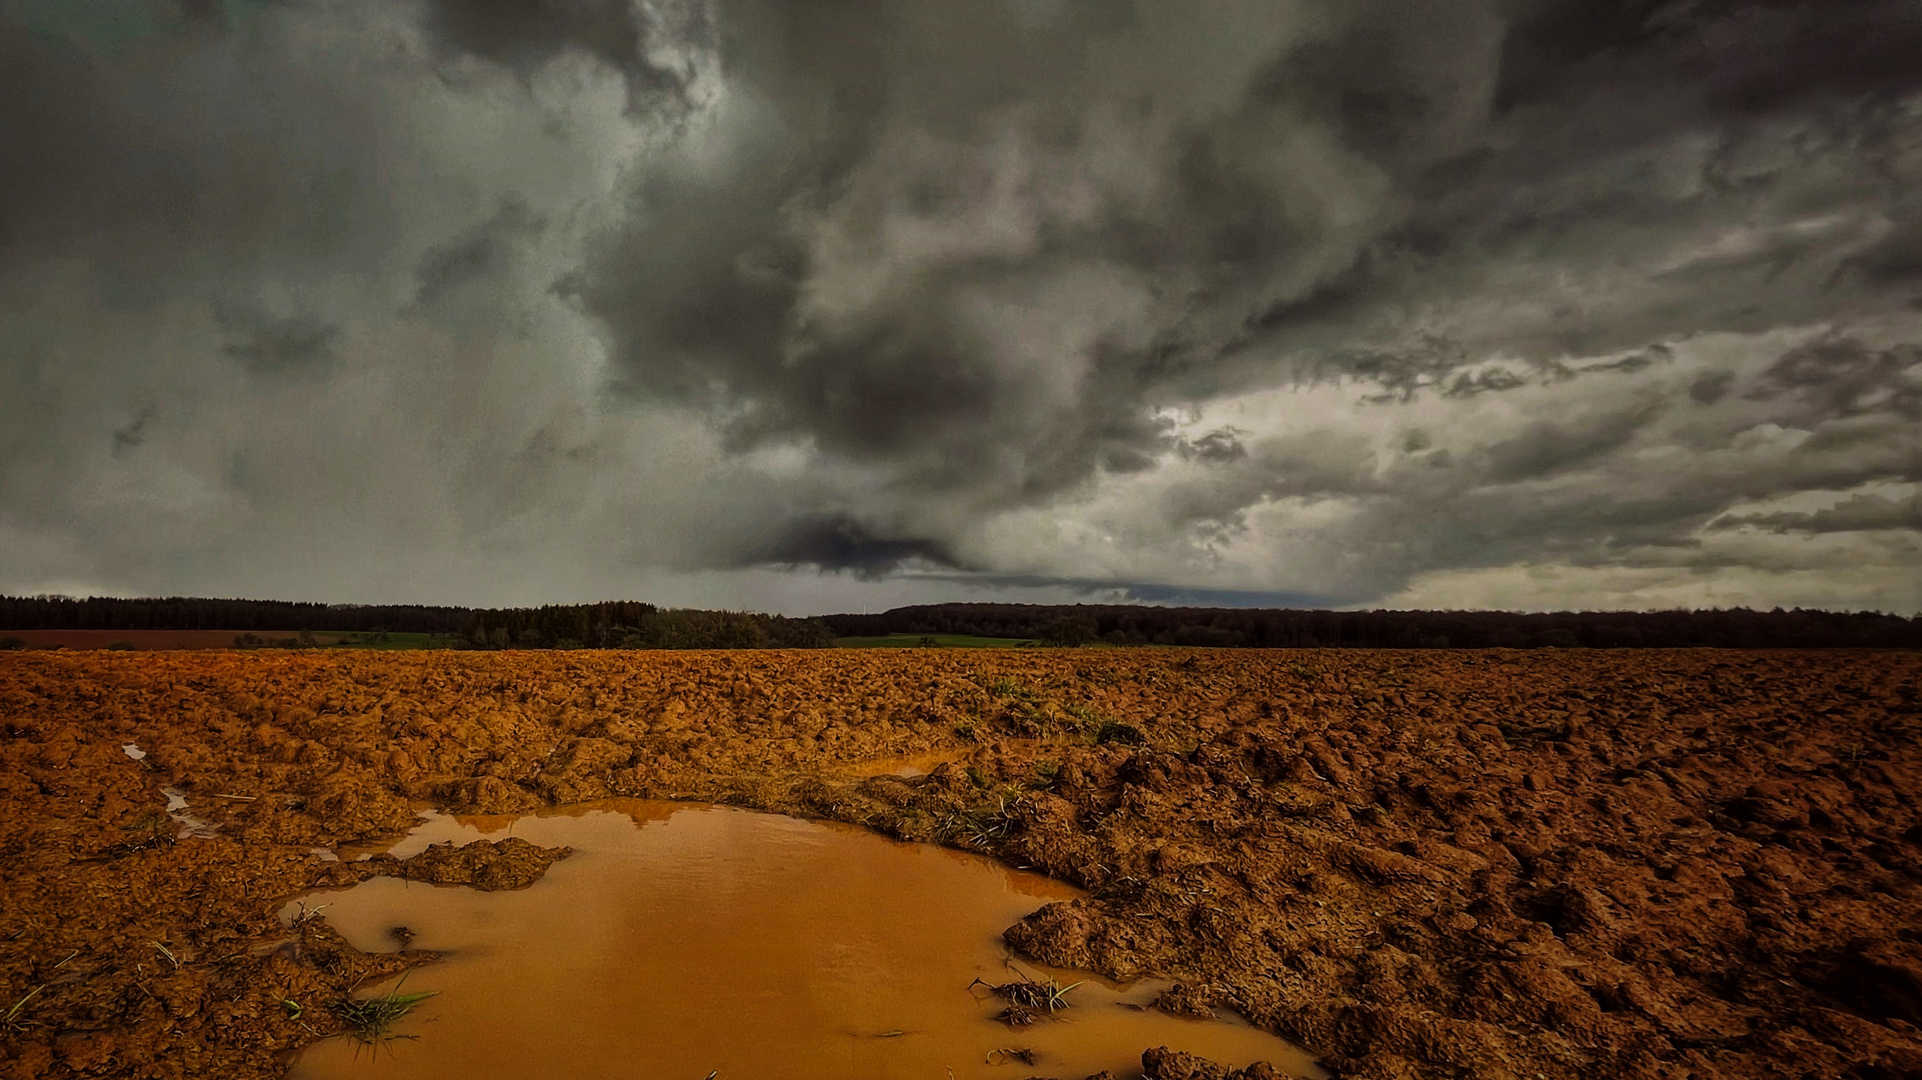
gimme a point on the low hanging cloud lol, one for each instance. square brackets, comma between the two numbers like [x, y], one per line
[1857, 513]
[765, 303]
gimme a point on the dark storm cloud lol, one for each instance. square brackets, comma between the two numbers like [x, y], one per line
[1549, 447]
[1856, 513]
[1632, 478]
[525, 34]
[1222, 444]
[1443, 121]
[1752, 54]
[268, 345]
[936, 266]
[134, 432]
[1894, 260]
[476, 255]
[1711, 387]
[177, 167]
[886, 119]
[1464, 146]
[1630, 364]
[1589, 95]
[68, 181]
[839, 543]
[1496, 378]
[1843, 377]
[204, 11]
[1093, 590]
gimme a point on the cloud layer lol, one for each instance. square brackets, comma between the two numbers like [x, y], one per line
[809, 306]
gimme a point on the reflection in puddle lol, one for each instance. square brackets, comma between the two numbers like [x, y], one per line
[189, 824]
[684, 940]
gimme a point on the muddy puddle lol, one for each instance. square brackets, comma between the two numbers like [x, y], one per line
[681, 941]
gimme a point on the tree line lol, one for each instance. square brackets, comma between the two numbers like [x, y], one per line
[637, 625]
[1118, 624]
[607, 625]
[203, 613]
[618, 625]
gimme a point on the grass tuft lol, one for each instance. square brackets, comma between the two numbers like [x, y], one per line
[1029, 999]
[308, 914]
[985, 825]
[1115, 731]
[372, 1020]
[152, 829]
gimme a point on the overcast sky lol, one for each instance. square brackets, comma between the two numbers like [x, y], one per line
[817, 305]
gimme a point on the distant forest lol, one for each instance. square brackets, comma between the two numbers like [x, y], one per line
[610, 625]
[634, 625]
[1738, 628]
[619, 625]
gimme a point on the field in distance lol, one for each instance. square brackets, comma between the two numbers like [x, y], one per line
[928, 641]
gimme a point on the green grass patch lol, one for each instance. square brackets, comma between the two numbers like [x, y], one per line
[389, 640]
[932, 641]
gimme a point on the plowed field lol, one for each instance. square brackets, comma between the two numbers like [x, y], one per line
[1492, 865]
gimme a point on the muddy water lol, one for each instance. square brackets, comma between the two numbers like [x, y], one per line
[681, 940]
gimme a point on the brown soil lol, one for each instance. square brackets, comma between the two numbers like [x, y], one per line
[487, 865]
[1545, 864]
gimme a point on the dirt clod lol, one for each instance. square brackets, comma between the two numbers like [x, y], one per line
[1162, 1063]
[510, 863]
[1185, 999]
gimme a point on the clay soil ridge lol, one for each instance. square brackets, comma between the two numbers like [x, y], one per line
[1426, 864]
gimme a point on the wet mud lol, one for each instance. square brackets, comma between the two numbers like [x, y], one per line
[1542, 864]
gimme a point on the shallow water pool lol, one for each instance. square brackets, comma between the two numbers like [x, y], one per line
[682, 940]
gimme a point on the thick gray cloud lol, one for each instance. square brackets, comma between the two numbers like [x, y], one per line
[1536, 302]
[639, 41]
